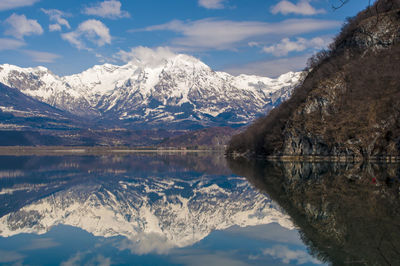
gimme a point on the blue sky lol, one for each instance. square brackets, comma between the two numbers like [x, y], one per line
[262, 37]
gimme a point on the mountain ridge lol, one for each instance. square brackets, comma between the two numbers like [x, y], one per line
[177, 92]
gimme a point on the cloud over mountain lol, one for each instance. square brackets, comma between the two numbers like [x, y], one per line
[19, 26]
[90, 30]
[213, 34]
[302, 7]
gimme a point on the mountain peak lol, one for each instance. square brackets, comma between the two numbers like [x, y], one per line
[155, 89]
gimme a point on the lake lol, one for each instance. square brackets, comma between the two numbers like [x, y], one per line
[195, 209]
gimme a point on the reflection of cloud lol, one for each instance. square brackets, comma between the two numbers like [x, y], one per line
[206, 258]
[80, 259]
[41, 243]
[271, 232]
[9, 256]
[287, 255]
[73, 260]
[147, 243]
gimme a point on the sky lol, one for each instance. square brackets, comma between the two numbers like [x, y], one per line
[260, 37]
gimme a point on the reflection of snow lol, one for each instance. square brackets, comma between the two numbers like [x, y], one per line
[8, 174]
[153, 214]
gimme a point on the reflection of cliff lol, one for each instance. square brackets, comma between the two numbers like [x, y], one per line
[156, 211]
[347, 214]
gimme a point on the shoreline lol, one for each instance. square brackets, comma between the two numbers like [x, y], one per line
[340, 159]
[319, 158]
[93, 150]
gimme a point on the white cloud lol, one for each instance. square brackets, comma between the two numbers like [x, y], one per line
[302, 7]
[253, 44]
[11, 4]
[56, 16]
[92, 30]
[42, 57]
[287, 255]
[107, 9]
[212, 4]
[286, 45]
[270, 68]
[211, 34]
[54, 27]
[19, 26]
[146, 56]
[10, 44]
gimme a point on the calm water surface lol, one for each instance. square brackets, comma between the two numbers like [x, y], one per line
[192, 209]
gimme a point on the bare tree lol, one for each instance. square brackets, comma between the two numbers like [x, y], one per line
[340, 3]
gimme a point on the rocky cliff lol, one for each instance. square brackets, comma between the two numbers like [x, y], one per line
[348, 105]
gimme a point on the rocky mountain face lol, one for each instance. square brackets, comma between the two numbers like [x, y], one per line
[177, 92]
[346, 213]
[348, 105]
[27, 121]
[21, 111]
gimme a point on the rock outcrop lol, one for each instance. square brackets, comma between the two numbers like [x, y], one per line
[348, 105]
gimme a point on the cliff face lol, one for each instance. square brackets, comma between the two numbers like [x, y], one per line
[349, 103]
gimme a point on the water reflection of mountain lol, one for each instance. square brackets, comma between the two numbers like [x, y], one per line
[347, 214]
[157, 202]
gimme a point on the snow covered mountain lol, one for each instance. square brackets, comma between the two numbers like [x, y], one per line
[176, 91]
[153, 214]
[18, 110]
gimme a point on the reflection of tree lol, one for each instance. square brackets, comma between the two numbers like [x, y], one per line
[347, 214]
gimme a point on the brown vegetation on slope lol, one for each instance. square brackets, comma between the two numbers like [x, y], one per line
[207, 138]
[349, 103]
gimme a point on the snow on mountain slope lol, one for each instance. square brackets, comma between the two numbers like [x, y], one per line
[170, 212]
[19, 111]
[176, 90]
[45, 86]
